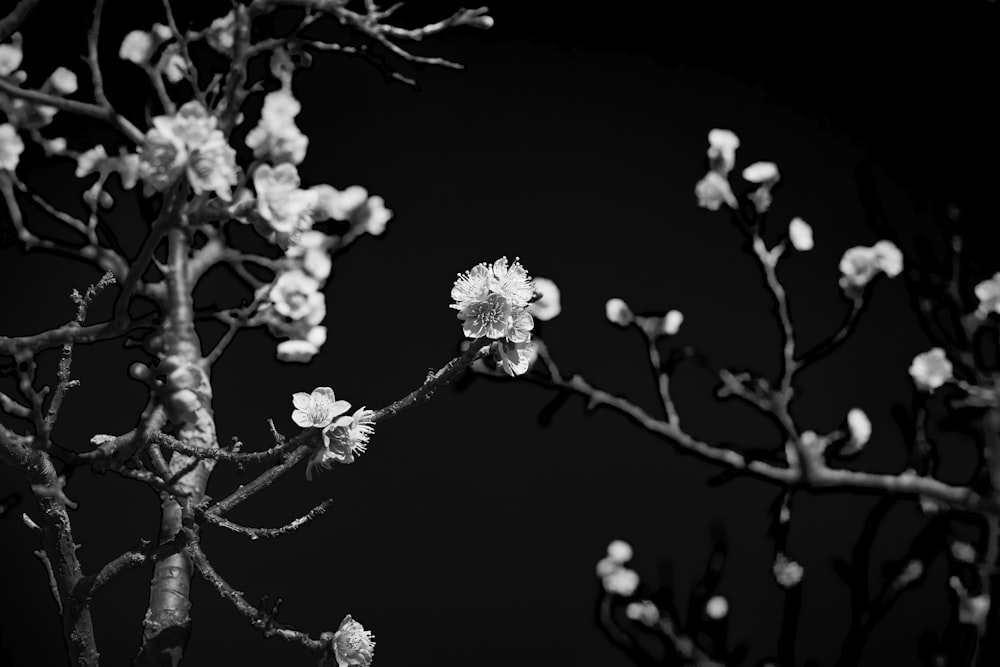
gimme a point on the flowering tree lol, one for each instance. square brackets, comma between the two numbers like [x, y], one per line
[957, 302]
[206, 173]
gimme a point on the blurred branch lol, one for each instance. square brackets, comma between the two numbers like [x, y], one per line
[10, 23]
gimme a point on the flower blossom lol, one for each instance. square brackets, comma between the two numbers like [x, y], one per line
[860, 428]
[549, 304]
[620, 551]
[310, 249]
[722, 145]
[860, 264]
[787, 572]
[318, 409]
[221, 33]
[335, 204]
[713, 190]
[276, 136]
[622, 581]
[988, 293]
[302, 350]
[931, 369]
[11, 147]
[372, 216]
[296, 296]
[280, 202]
[11, 55]
[717, 607]
[353, 646]
[672, 322]
[761, 172]
[136, 47]
[618, 312]
[800, 234]
[346, 437]
[62, 81]
[644, 611]
[188, 142]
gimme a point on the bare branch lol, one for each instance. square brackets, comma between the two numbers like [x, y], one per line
[257, 533]
[95, 68]
[10, 23]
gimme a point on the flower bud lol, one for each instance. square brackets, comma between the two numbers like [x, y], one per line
[618, 312]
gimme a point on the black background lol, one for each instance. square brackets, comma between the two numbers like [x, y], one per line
[468, 535]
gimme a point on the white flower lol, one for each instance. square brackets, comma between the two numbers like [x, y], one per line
[11, 147]
[645, 612]
[761, 172]
[620, 552]
[296, 296]
[276, 136]
[137, 47]
[54, 146]
[296, 350]
[318, 409]
[173, 64]
[988, 293]
[91, 161]
[492, 301]
[605, 566]
[889, 258]
[713, 190]
[11, 55]
[672, 322]
[801, 234]
[622, 581]
[717, 607]
[348, 435]
[222, 32]
[162, 32]
[549, 305]
[722, 145]
[931, 369]
[618, 312]
[787, 572]
[343, 205]
[63, 81]
[860, 427]
[192, 124]
[353, 646]
[212, 166]
[515, 358]
[372, 215]
[310, 248]
[860, 264]
[280, 202]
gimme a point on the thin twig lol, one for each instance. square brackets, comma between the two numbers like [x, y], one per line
[257, 533]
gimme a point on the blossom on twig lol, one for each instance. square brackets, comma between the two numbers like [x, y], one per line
[800, 234]
[353, 646]
[549, 304]
[931, 369]
[276, 135]
[860, 264]
[317, 409]
[11, 147]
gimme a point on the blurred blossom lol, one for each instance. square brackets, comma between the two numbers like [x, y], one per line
[11, 55]
[931, 369]
[714, 190]
[137, 47]
[63, 81]
[801, 234]
[860, 427]
[173, 64]
[672, 322]
[515, 358]
[221, 33]
[717, 607]
[310, 247]
[988, 293]
[787, 572]
[276, 136]
[761, 172]
[622, 581]
[618, 312]
[372, 216]
[606, 566]
[963, 551]
[296, 351]
[860, 264]
[280, 202]
[722, 145]
[620, 551]
[90, 161]
[644, 611]
[296, 296]
[549, 305]
[11, 147]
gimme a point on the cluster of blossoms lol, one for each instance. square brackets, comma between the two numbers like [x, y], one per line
[492, 301]
[344, 435]
[188, 142]
[140, 46]
[860, 264]
[714, 190]
[618, 312]
[617, 578]
[23, 115]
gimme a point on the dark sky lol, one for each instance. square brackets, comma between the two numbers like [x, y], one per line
[468, 534]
